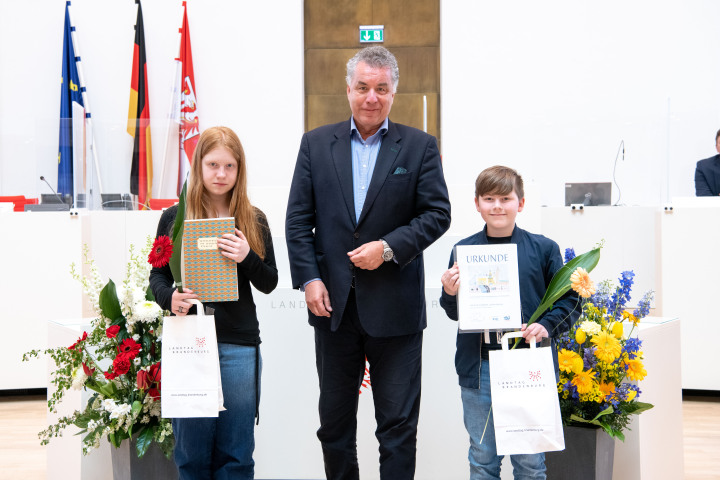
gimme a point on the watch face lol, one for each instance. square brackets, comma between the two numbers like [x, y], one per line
[387, 255]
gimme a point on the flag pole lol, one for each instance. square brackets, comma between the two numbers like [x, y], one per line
[86, 100]
[174, 115]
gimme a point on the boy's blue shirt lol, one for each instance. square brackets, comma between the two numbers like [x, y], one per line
[538, 260]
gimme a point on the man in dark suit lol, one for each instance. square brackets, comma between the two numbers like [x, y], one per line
[367, 197]
[707, 173]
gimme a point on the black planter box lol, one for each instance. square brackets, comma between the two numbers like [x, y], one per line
[588, 455]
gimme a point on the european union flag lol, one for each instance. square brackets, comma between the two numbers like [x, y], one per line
[72, 110]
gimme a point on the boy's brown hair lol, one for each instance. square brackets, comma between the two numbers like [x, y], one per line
[499, 180]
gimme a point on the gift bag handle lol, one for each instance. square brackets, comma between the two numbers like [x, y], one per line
[517, 334]
[200, 309]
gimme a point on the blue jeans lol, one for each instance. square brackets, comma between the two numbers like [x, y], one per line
[483, 457]
[221, 448]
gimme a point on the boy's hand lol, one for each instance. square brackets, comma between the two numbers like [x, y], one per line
[451, 280]
[534, 330]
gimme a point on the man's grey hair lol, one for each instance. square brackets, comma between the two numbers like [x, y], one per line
[376, 57]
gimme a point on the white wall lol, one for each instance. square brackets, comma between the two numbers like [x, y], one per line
[552, 87]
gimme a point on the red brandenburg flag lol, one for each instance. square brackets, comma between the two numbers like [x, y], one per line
[139, 119]
[189, 125]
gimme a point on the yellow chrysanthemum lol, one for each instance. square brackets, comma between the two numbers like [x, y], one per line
[581, 283]
[608, 347]
[617, 329]
[635, 369]
[607, 389]
[580, 336]
[583, 381]
[570, 361]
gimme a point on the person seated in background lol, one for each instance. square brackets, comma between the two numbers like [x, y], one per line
[707, 173]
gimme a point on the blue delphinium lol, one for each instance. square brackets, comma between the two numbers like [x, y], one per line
[589, 358]
[621, 296]
[569, 254]
[644, 305]
[632, 346]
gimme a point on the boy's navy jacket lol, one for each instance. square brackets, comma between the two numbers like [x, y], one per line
[538, 260]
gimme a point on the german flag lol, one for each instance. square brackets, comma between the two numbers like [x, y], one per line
[139, 119]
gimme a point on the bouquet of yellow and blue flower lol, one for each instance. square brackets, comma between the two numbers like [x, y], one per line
[118, 360]
[599, 363]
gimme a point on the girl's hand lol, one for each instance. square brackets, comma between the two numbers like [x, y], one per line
[235, 246]
[451, 280]
[180, 304]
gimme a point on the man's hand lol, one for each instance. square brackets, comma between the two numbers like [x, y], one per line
[451, 280]
[534, 330]
[318, 299]
[367, 256]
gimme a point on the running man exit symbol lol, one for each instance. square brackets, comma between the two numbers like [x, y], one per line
[372, 33]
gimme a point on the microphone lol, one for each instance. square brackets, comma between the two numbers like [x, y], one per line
[588, 196]
[52, 190]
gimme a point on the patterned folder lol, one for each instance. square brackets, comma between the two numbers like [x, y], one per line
[212, 276]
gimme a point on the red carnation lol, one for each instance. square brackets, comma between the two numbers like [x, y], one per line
[112, 331]
[161, 252]
[129, 348]
[109, 375]
[121, 365]
[81, 339]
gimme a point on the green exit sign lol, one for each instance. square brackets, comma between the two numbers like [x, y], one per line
[372, 33]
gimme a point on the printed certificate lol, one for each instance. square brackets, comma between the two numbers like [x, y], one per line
[489, 295]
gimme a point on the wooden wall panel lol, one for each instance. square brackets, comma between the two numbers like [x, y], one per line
[412, 33]
[325, 71]
[408, 22]
[334, 23]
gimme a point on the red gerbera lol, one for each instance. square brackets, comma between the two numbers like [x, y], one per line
[161, 251]
[129, 348]
[81, 339]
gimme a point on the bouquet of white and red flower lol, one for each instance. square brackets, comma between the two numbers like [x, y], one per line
[119, 359]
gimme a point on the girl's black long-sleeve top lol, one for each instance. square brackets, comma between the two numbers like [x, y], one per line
[235, 322]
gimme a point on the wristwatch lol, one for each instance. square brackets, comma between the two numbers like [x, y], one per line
[387, 254]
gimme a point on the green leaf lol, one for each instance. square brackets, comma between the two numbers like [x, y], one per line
[560, 283]
[177, 239]
[143, 441]
[109, 303]
[136, 407]
[636, 408]
[149, 295]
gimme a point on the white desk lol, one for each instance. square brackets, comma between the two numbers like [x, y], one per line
[689, 236]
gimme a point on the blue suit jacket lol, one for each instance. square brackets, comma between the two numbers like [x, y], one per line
[707, 177]
[410, 210]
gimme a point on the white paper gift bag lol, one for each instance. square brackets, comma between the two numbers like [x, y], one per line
[191, 384]
[525, 403]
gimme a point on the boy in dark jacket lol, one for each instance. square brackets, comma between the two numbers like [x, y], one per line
[499, 197]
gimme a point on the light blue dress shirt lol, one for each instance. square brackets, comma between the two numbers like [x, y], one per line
[364, 155]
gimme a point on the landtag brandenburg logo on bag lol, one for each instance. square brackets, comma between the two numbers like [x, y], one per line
[536, 375]
[200, 342]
